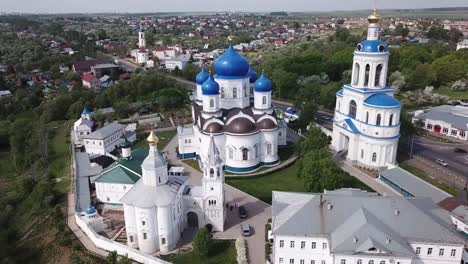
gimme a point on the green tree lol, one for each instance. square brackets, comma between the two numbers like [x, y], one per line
[400, 30]
[112, 257]
[448, 69]
[422, 76]
[315, 139]
[202, 242]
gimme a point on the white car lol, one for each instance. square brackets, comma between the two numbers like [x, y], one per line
[245, 229]
[441, 162]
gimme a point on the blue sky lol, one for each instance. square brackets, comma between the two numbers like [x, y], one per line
[93, 6]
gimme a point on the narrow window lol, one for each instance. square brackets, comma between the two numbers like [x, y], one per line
[366, 80]
[211, 173]
[264, 100]
[453, 252]
[314, 245]
[281, 243]
[359, 261]
[245, 154]
[441, 252]
[131, 239]
[303, 244]
[362, 153]
[352, 109]
[418, 250]
[291, 244]
[268, 148]
[324, 246]
[356, 74]
[429, 251]
[367, 117]
[234, 92]
[211, 103]
[374, 157]
[390, 121]
[145, 236]
[163, 241]
[379, 119]
[378, 73]
[231, 153]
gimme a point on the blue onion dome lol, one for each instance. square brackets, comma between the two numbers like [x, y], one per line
[253, 76]
[372, 46]
[202, 76]
[85, 111]
[263, 84]
[91, 210]
[231, 64]
[210, 86]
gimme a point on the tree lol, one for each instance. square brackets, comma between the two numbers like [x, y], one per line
[342, 34]
[202, 242]
[112, 257]
[448, 69]
[401, 31]
[454, 35]
[422, 76]
[397, 80]
[315, 139]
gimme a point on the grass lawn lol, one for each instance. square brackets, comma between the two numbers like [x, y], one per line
[421, 174]
[283, 180]
[222, 251]
[59, 160]
[261, 186]
[164, 138]
[452, 94]
[192, 163]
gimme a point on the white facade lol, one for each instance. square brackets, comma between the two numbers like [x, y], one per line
[179, 62]
[447, 120]
[462, 44]
[354, 227]
[158, 207]
[82, 127]
[248, 134]
[367, 118]
[141, 39]
[104, 140]
[142, 56]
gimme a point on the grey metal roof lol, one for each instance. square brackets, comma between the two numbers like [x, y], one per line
[146, 196]
[414, 185]
[457, 116]
[106, 131]
[356, 222]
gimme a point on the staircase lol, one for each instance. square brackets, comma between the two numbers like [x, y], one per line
[121, 237]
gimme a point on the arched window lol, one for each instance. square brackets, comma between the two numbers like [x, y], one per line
[211, 173]
[217, 172]
[362, 153]
[352, 109]
[222, 92]
[245, 154]
[359, 261]
[356, 74]
[374, 157]
[245, 90]
[367, 117]
[234, 92]
[231, 153]
[390, 121]
[378, 120]
[211, 103]
[371, 261]
[268, 147]
[366, 75]
[378, 73]
[382, 262]
[264, 100]
[256, 150]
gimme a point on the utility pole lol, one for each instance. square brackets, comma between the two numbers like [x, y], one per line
[411, 150]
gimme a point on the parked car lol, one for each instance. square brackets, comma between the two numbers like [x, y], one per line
[245, 229]
[242, 212]
[441, 162]
[459, 150]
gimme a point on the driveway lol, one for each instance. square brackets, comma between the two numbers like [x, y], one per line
[258, 212]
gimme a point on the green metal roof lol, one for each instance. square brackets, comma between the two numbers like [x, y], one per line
[118, 174]
[134, 164]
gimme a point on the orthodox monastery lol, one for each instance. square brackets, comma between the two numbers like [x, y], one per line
[158, 207]
[233, 106]
[367, 118]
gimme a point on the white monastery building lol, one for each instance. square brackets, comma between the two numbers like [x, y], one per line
[141, 54]
[158, 207]
[447, 120]
[103, 140]
[248, 133]
[367, 118]
[351, 226]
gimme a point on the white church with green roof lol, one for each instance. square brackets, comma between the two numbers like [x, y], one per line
[158, 207]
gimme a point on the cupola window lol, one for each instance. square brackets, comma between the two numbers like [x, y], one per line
[379, 120]
[378, 73]
[366, 76]
[234, 92]
[390, 121]
[211, 103]
[264, 100]
[245, 154]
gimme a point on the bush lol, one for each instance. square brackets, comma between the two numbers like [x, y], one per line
[209, 227]
[241, 249]
[202, 242]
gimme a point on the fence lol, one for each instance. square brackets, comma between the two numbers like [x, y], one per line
[121, 249]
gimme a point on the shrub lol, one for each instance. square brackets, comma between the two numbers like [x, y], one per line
[202, 242]
[241, 249]
[209, 227]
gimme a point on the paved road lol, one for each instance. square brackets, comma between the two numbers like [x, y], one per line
[259, 212]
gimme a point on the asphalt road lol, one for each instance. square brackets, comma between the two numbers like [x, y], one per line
[431, 150]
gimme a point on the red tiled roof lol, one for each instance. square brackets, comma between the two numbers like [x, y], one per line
[88, 77]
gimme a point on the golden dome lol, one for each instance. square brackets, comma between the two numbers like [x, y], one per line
[374, 18]
[152, 138]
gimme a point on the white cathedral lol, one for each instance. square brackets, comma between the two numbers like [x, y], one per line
[157, 207]
[248, 133]
[367, 116]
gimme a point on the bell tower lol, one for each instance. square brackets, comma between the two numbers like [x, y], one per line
[141, 38]
[213, 187]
